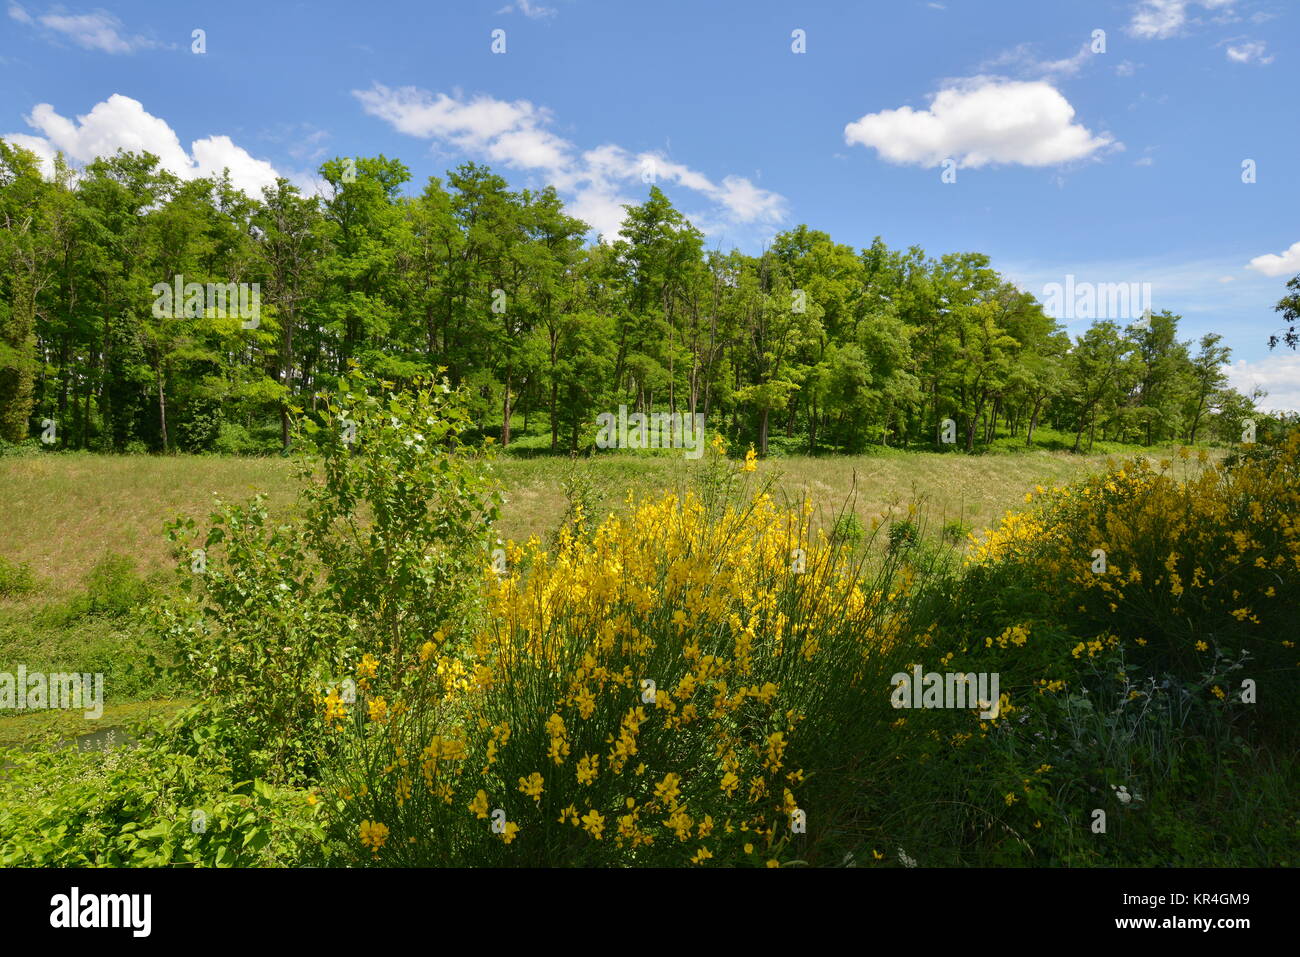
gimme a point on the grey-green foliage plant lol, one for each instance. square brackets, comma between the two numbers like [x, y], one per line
[392, 528]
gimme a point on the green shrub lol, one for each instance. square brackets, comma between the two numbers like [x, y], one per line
[903, 534]
[955, 531]
[392, 529]
[15, 579]
[151, 805]
[848, 529]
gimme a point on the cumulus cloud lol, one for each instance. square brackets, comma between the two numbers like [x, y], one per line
[1160, 19]
[1279, 376]
[517, 134]
[123, 123]
[1271, 264]
[92, 31]
[981, 121]
[1249, 52]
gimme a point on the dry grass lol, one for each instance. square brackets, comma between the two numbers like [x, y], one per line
[62, 513]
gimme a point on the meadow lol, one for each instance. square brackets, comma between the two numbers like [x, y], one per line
[648, 679]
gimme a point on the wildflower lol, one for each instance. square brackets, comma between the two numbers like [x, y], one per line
[668, 789]
[335, 709]
[532, 786]
[480, 804]
[373, 835]
[368, 666]
[751, 460]
[593, 823]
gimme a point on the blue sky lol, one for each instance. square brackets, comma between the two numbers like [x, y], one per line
[1115, 166]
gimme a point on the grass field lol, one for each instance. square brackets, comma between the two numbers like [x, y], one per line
[65, 515]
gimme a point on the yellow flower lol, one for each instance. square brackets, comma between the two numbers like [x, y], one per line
[593, 823]
[730, 782]
[511, 829]
[701, 855]
[368, 666]
[373, 835]
[751, 460]
[668, 789]
[1201, 646]
[773, 863]
[480, 804]
[1218, 692]
[532, 786]
[335, 709]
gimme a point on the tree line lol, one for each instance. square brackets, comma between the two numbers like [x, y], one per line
[811, 343]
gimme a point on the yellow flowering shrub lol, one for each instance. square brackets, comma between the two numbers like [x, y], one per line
[638, 695]
[1203, 566]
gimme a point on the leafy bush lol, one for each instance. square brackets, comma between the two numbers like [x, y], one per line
[147, 806]
[848, 528]
[955, 531]
[392, 528]
[903, 534]
[1190, 572]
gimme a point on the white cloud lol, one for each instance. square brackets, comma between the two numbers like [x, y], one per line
[1248, 52]
[1271, 264]
[516, 134]
[1160, 19]
[91, 31]
[529, 9]
[1022, 59]
[980, 121]
[1278, 375]
[123, 123]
